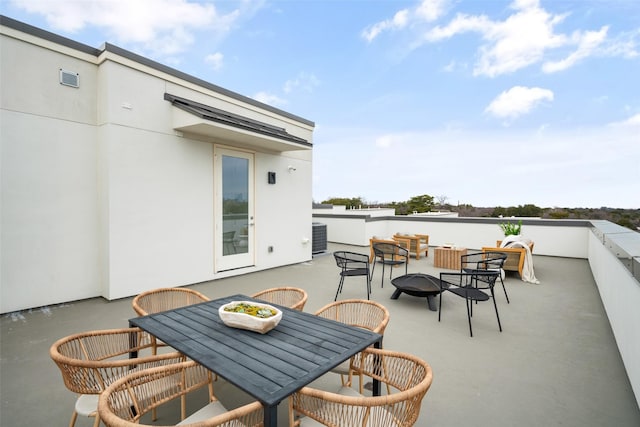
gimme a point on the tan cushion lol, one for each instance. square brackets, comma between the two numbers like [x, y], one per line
[213, 409]
[343, 368]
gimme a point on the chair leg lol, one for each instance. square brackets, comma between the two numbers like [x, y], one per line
[368, 286]
[469, 308]
[74, 417]
[339, 287]
[504, 289]
[496, 308]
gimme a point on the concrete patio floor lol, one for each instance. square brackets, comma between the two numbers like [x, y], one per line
[554, 364]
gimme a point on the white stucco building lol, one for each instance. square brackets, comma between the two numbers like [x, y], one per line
[119, 174]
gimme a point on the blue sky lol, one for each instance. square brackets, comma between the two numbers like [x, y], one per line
[490, 103]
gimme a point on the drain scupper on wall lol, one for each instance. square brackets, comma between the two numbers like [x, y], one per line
[69, 78]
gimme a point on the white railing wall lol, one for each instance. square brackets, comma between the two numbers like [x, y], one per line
[565, 238]
[613, 253]
[614, 261]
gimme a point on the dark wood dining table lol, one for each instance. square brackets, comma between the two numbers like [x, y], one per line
[270, 366]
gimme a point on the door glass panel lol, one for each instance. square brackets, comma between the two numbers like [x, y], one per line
[235, 205]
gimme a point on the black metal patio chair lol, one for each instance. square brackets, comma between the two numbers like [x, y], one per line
[391, 255]
[485, 261]
[352, 264]
[472, 287]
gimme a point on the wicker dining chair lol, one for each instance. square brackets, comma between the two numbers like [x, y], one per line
[287, 296]
[162, 299]
[364, 314]
[407, 377]
[90, 361]
[125, 401]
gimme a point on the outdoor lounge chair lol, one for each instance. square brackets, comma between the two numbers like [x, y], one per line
[418, 243]
[515, 256]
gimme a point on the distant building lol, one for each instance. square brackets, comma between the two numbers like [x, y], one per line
[120, 175]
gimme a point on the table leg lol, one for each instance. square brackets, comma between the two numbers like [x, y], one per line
[396, 294]
[271, 416]
[133, 343]
[376, 382]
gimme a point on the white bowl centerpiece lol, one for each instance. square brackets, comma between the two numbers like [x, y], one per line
[250, 315]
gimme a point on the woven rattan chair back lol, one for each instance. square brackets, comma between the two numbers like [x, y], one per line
[162, 299]
[361, 313]
[294, 298]
[365, 314]
[407, 377]
[90, 361]
[127, 400]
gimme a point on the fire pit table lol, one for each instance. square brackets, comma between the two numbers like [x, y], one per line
[418, 285]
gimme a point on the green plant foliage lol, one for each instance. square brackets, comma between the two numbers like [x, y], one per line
[511, 229]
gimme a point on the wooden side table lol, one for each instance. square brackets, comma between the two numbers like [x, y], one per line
[448, 258]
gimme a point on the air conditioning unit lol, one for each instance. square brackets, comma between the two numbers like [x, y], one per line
[318, 238]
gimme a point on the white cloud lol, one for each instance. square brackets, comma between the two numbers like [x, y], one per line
[631, 122]
[385, 141]
[427, 11]
[269, 98]
[215, 60]
[398, 21]
[519, 41]
[527, 37]
[624, 45]
[431, 10]
[305, 81]
[460, 24]
[517, 101]
[587, 43]
[162, 26]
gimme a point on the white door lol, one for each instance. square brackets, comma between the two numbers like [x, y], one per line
[234, 216]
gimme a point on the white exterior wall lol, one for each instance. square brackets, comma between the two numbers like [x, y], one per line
[102, 197]
[49, 239]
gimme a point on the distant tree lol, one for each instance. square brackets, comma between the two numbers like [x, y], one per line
[422, 203]
[442, 200]
[400, 208]
[353, 203]
[559, 214]
[526, 210]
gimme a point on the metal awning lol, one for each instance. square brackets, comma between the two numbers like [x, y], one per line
[213, 122]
